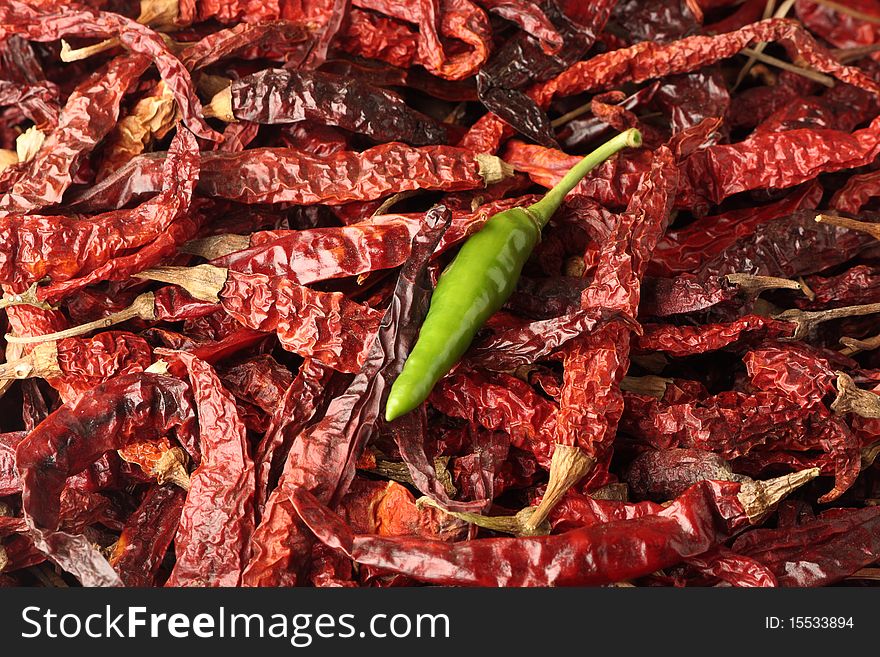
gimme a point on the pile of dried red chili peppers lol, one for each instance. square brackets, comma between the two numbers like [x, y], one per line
[221, 224]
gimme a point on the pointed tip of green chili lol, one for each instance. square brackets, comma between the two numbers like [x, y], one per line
[394, 407]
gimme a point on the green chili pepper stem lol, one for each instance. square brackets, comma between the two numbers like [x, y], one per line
[551, 201]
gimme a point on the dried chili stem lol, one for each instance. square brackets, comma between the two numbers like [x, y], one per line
[769, 8]
[171, 468]
[27, 298]
[852, 399]
[399, 471]
[7, 158]
[68, 54]
[42, 363]
[220, 106]
[159, 14]
[516, 524]
[48, 578]
[142, 307]
[210, 85]
[492, 169]
[847, 55]
[754, 285]
[769, 12]
[204, 282]
[810, 74]
[869, 454]
[853, 346]
[28, 143]
[216, 246]
[568, 466]
[759, 498]
[806, 320]
[808, 292]
[586, 108]
[845, 222]
[849, 11]
[654, 386]
[392, 200]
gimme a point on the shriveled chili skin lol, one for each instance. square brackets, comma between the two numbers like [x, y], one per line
[90, 113]
[648, 60]
[87, 362]
[51, 23]
[680, 341]
[213, 538]
[148, 533]
[597, 554]
[819, 552]
[280, 175]
[117, 413]
[283, 96]
[459, 19]
[287, 39]
[64, 247]
[522, 61]
[327, 326]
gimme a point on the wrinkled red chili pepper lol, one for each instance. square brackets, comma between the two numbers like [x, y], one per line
[323, 457]
[278, 175]
[66, 248]
[220, 499]
[577, 557]
[149, 531]
[685, 328]
[90, 113]
[281, 96]
[44, 24]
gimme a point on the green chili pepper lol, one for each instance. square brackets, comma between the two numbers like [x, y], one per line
[479, 281]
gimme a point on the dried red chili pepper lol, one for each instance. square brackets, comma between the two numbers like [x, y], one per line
[374, 36]
[10, 481]
[75, 366]
[578, 557]
[281, 96]
[112, 415]
[680, 341]
[148, 533]
[323, 457]
[278, 175]
[90, 113]
[686, 319]
[821, 552]
[458, 19]
[74, 252]
[287, 39]
[664, 474]
[220, 499]
[648, 60]
[841, 28]
[787, 247]
[523, 61]
[686, 249]
[499, 402]
[46, 24]
[307, 256]
[734, 569]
